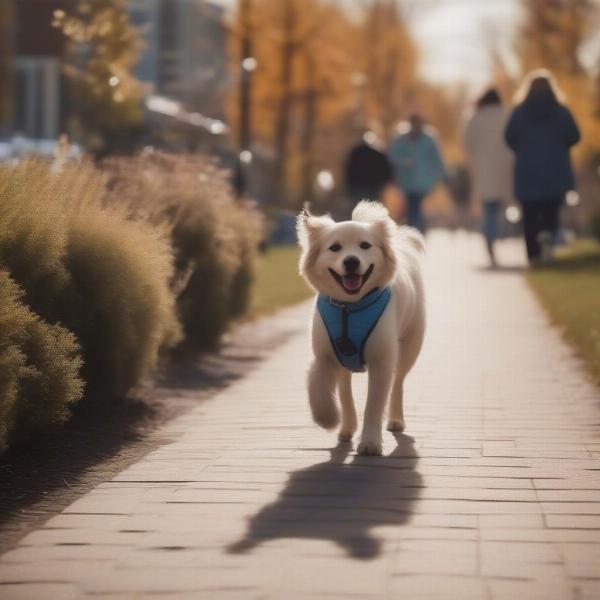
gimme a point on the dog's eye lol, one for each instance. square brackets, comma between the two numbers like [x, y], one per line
[335, 247]
[365, 245]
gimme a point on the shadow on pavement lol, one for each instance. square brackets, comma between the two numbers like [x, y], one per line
[41, 476]
[342, 502]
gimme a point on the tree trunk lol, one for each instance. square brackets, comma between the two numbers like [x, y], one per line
[282, 130]
[246, 51]
[245, 99]
[6, 28]
[310, 123]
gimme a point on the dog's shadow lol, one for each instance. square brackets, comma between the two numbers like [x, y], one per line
[342, 502]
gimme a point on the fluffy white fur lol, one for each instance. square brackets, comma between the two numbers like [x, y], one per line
[396, 341]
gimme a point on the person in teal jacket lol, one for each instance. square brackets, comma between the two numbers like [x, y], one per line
[418, 167]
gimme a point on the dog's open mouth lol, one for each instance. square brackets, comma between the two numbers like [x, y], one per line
[352, 283]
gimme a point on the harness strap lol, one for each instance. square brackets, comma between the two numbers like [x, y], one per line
[349, 325]
[344, 344]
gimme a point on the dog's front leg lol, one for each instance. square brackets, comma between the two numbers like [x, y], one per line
[380, 381]
[321, 393]
[349, 421]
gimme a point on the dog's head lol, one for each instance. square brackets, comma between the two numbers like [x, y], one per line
[349, 259]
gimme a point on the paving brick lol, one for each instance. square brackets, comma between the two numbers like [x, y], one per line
[548, 589]
[437, 588]
[568, 521]
[35, 591]
[588, 590]
[437, 557]
[582, 560]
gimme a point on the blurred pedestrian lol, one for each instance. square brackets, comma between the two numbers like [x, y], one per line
[418, 167]
[459, 188]
[367, 170]
[491, 162]
[541, 131]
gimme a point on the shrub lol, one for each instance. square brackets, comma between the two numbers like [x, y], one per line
[88, 266]
[39, 365]
[214, 237]
[33, 234]
[120, 272]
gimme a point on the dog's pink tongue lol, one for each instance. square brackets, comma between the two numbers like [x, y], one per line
[352, 282]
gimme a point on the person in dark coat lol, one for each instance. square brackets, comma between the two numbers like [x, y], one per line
[541, 131]
[367, 171]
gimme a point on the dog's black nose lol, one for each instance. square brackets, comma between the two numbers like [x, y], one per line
[351, 263]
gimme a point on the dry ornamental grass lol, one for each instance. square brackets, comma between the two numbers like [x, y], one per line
[102, 270]
[213, 236]
[39, 366]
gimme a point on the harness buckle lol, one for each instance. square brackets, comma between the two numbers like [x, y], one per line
[346, 346]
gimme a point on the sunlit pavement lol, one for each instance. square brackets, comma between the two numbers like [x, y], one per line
[498, 496]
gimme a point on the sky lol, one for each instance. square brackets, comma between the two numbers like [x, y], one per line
[454, 35]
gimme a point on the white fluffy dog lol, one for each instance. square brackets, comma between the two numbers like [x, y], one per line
[369, 315]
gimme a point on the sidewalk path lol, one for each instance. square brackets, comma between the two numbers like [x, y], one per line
[497, 497]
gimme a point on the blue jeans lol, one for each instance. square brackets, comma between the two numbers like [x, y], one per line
[414, 212]
[489, 224]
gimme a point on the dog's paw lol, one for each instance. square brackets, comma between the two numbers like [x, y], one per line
[396, 426]
[326, 415]
[370, 449]
[345, 436]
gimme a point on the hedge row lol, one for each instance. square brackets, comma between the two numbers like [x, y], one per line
[102, 270]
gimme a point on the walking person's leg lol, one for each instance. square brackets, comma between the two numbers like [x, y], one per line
[550, 220]
[414, 214]
[531, 230]
[548, 228]
[490, 226]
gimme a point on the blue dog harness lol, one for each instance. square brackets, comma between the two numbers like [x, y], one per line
[349, 325]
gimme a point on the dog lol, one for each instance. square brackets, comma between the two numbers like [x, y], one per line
[369, 316]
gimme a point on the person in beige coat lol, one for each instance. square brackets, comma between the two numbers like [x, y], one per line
[491, 162]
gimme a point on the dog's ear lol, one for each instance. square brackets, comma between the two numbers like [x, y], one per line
[309, 227]
[387, 232]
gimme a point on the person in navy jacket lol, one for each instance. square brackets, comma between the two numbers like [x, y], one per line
[367, 171]
[541, 131]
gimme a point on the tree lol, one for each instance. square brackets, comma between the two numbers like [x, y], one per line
[552, 36]
[319, 78]
[296, 46]
[247, 65]
[389, 62]
[502, 76]
[106, 97]
[327, 96]
[6, 20]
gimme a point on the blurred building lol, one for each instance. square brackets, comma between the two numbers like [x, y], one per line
[183, 61]
[185, 55]
[37, 102]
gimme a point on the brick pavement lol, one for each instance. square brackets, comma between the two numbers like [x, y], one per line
[493, 494]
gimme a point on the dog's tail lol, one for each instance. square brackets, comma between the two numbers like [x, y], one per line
[413, 237]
